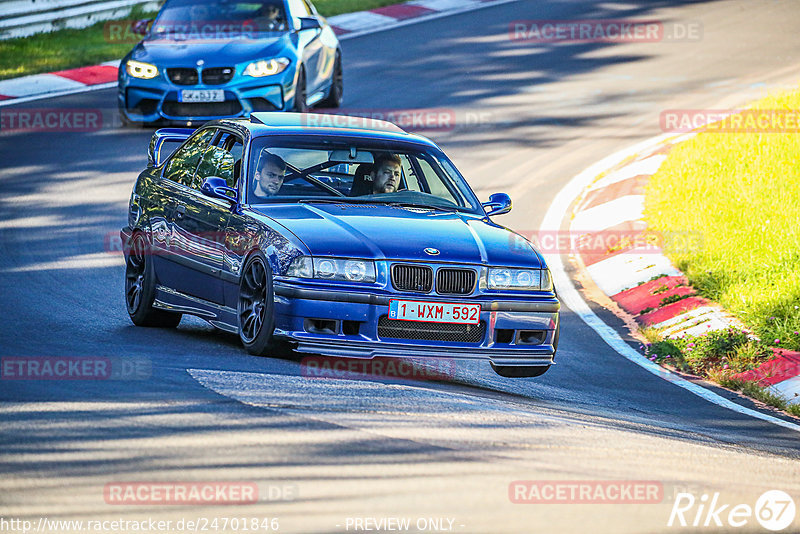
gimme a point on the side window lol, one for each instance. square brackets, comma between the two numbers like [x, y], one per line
[411, 181]
[216, 162]
[183, 163]
[310, 7]
[232, 144]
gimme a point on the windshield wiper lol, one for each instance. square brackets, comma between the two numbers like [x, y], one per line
[351, 200]
[423, 206]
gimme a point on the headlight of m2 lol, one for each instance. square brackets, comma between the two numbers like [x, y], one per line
[518, 279]
[342, 269]
[139, 69]
[266, 67]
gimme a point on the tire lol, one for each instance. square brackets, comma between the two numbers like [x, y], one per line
[256, 306]
[336, 95]
[300, 96]
[512, 371]
[140, 287]
[126, 122]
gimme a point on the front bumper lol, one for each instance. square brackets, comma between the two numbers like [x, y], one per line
[157, 100]
[352, 326]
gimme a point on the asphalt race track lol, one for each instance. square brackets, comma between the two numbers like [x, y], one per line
[529, 116]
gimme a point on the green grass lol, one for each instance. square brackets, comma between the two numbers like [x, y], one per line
[66, 49]
[717, 356]
[742, 191]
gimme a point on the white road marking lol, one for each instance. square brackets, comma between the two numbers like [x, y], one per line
[612, 213]
[624, 271]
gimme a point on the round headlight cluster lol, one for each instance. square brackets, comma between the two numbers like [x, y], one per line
[355, 271]
[516, 279]
[344, 269]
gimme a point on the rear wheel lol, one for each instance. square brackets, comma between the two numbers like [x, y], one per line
[140, 287]
[256, 306]
[336, 95]
[300, 96]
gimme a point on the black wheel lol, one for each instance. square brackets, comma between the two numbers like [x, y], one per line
[140, 287]
[334, 98]
[256, 306]
[511, 371]
[300, 96]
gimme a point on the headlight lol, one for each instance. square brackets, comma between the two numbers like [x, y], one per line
[138, 69]
[345, 269]
[266, 67]
[519, 279]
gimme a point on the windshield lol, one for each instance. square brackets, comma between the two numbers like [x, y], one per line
[350, 172]
[207, 19]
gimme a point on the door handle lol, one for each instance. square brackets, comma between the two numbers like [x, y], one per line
[180, 211]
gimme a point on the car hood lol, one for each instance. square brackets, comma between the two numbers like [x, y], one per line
[213, 52]
[388, 232]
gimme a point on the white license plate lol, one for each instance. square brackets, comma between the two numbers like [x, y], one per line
[434, 312]
[202, 95]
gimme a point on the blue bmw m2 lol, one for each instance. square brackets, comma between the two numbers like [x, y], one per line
[339, 236]
[207, 59]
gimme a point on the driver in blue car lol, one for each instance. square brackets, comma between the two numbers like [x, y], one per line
[386, 174]
[269, 175]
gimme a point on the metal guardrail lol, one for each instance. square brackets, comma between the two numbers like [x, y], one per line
[20, 18]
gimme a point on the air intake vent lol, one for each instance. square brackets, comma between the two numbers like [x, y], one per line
[423, 331]
[455, 281]
[416, 278]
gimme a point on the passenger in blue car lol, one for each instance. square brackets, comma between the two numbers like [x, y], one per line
[269, 17]
[269, 175]
[386, 174]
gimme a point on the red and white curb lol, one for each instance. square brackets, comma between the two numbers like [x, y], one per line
[346, 26]
[641, 280]
[574, 300]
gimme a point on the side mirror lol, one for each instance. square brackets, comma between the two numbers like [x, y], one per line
[141, 27]
[499, 203]
[216, 187]
[308, 23]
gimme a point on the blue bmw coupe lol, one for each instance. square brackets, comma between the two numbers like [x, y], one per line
[206, 59]
[344, 237]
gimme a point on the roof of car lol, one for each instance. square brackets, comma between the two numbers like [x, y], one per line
[266, 123]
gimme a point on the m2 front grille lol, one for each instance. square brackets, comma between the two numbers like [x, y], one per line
[455, 281]
[183, 76]
[424, 331]
[217, 75]
[416, 278]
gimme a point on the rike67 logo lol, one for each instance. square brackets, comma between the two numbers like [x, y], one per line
[774, 510]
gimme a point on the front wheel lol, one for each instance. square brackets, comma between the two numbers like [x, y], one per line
[300, 96]
[140, 287]
[336, 95]
[256, 306]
